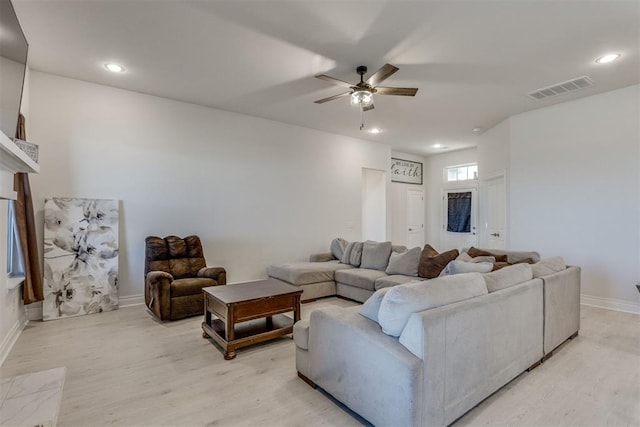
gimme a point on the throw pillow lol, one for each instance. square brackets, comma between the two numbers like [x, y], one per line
[548, 266]
[475, 252]
[375, 255]
[371, 306]
[352, 254]
[498, 265]
[430, 266]
[464, 257]
[490, 259]
[429, 251]
[508, 276]
[337, 247]
[401, 301]
[467, 258]
[457, 267]
[405, 263]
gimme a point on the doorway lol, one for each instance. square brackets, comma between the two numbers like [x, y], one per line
[374, 205]
[459, 218]
[495, 212]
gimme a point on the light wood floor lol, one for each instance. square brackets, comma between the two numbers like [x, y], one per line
[126, 369]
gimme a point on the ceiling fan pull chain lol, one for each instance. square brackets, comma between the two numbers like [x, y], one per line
[362, 119]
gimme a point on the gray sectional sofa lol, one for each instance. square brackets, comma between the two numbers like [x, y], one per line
[355, 270]
[424, 353]
[357, 273]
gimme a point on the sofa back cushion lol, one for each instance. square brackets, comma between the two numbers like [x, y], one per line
[405, 263]
[513, 257]
[371, 306]
[508, 276]
[375, 255]
[432, 263]
[337, 247]
[352, 254]
[401, 301]
[547, 266]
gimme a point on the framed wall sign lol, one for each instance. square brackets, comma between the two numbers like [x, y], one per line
[406, 171]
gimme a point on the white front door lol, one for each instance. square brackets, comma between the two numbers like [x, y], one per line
[496, 212]
[459, 218]
[415, 218]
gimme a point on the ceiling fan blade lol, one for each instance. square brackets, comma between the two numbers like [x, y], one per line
[382, 74]
[331, 98]
[334, 81]
[402, 91]
[368, 107]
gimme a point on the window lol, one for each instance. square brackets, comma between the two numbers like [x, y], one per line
[15, 263]
[461, 172]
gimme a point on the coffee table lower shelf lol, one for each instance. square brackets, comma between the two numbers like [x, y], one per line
[247, 333]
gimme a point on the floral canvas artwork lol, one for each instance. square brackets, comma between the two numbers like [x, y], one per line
[80, 257]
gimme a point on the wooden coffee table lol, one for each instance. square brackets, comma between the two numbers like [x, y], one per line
[243, 314]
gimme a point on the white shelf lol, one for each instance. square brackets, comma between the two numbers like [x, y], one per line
[13, 159]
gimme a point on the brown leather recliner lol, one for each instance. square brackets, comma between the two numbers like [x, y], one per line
[175, 273]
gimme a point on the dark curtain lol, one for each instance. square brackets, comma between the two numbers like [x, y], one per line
[459, 212]
[32, 289]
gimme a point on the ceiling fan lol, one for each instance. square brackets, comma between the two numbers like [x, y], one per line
[362, 93]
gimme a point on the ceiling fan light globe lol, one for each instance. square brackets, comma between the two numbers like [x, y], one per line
[362, 97]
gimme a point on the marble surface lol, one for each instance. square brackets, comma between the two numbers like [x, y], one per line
[31, 399]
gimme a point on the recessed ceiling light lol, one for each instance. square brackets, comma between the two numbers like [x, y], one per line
[114, 68]
[477, 129]
[609, 57]
[374, 130]
[437, 145]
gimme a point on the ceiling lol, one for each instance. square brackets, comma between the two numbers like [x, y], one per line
[473, 61]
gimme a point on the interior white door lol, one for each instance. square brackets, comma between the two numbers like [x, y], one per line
[496, 213]
[415, 218]
[459, 233]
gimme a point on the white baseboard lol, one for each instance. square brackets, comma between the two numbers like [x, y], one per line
[10, 339]
[610, 303]
[130, 300]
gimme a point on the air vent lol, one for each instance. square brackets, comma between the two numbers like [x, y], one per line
[560, 88]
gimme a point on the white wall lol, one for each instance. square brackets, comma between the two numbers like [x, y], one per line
[434, 167]
[493, 158]
[374, 205]
[256, 191]
[12, 312]
[398, 200]
[575, 188]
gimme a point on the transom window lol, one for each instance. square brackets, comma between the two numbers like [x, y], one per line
[461, 172]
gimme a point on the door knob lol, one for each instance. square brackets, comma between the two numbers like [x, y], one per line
[411, 229]
[495, 234]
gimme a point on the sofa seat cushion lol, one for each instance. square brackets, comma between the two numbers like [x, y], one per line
[394, 280]
[301, 334]
[363, 278]
[400, 302]
[508, 276]
[304, 273]
[190, 286]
